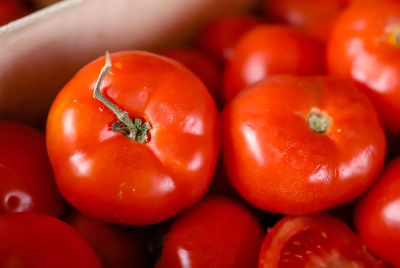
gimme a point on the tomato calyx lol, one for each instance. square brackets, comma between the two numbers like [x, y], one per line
[319, 121]
[133, 129]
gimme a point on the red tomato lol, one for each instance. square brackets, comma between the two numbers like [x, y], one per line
[26, 177]
[296, 145]
[116, 245]
[364, 48]
[307, 15]
[37, 240]
[215, 232]
[316, 240]
[11, 10]
[258, 54]
[205, 66]
[106, 175]
[220, 35]
[377, 214]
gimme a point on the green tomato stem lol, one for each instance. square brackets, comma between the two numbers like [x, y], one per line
[133, 129]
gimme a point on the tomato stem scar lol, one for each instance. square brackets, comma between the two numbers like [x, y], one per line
[319, 121]
[133, 129]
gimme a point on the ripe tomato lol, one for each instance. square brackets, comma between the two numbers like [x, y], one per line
[108, 176]
[377, 214]
[215, 232]
[116, 245]
[11, 10]
[315, 240]
[37, 240]
[312, 16]
[220, 35]
[207, 67]
[26, 177]
[364, 48]
[296, 145]
[257, 54]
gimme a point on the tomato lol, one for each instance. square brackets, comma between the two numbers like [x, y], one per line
[11, 10]
[313, 16]
[215, 232]
[316, 240]
[105, 174]
[220, 35]
[363, 48]
[257, 54]
[296, 145]
[116, 245]
[207, 67]
[377, 214]
[33, 240]
[26, 177]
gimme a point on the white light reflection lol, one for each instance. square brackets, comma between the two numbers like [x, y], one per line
[252, 144]
[357, 165]
[184, 258]
[391, 212]
[163, 184]
[322, 175]
[255, 68]
[105, 133]
[196, 162]
[193, 125]
[82, 164]
[68, 123]
[22, 201]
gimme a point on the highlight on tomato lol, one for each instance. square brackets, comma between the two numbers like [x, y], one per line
[137, 145]
[315, 240]
[26, 176]
[297, 145]
[363, 48]
[377, 214]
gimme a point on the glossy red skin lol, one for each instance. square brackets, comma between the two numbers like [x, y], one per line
[361, 49]
[26, 177]
[314, 240]
[215, 232]
[37, 240]
[270, 50]
[220, 35]
[116, 245]
[207, 67]
[109, 177]
[279, 164]
[377, 214]
[308, 15]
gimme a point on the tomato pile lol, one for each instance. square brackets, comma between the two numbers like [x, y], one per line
[270, 140]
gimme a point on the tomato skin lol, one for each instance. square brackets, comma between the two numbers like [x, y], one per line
[257, 55]
[361, 49]
[116, 245]
[37, 240]
[220, 35]
[313, 16]
[207, 67]
[377, 214]
[215, 232]
[279, 164]
[109, 177]
[26, 177]
[314, 240]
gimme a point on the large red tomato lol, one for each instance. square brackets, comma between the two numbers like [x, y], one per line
[295, 145]
[214, 232]
[26, 177]
[364, 47]
[105, 174]
[377, 214]
[270, 50]
[37, 240]
[316, 240]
